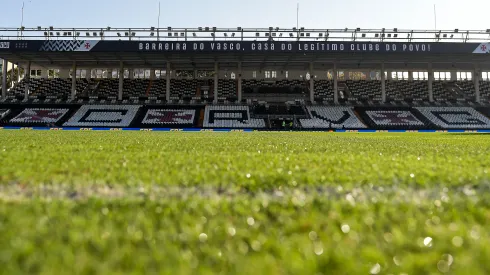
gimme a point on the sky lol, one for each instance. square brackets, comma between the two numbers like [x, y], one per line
[320, 14]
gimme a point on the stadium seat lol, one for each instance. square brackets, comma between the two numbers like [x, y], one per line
[331, 117]
[103, 116]
[455, 117]
[230, 117]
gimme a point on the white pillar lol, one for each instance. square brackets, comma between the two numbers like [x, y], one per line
[312, 84]
[4, 79]
[88, 74]
[27, 79]
[454, 76]
[121, 81]
[216, 73]
[476, 80]
[335, 84]
[239, 82]
[131, 74]
[390, 76]
[44, 73]
[430, 73]
[74, 81]
[383, 83]
[152, 74]
[410, 75]
[167, 89]
[18, 74]
[12, 75]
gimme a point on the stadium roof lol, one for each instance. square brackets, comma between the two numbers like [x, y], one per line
[200, 48]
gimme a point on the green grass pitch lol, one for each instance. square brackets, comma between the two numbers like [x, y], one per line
[244, 203]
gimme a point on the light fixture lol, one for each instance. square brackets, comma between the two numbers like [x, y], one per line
[395, 30]
[308, 34]
[58, 33]
[134, 33]
[257, 34]
[206, 29]
[376, 35]
[182, 34]
[119, 34]
[45, 33]
[199, 29]
[152, 28]
[395, 35]
[358, 29]
[444, 35]
[212, 34]
[50, 28]
[233, 35]
[152, 34]
[239, 28]
[64, 33]
[226, 35]
[51, 34]
[38, 28]
[169, 28]
[101, 33]
[456, 30]
[194, 34]
[108, 28]
[363, 35]
[126, 34]
[87, 34]
[290, 34]
[94, 34]
[169, 34]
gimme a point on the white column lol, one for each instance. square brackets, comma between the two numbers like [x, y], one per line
[74, 81]
[88, 74]
[383, 83]
[312, 83]
[12, 75]
[476, 80]
[131, 74]
[390, 76]
[239, 82]
[4, 79]
[121, 81]
[216, 73]
[430, 73]
[152, 74]
[454, 76]
[335, 84]
[44, 73]
[18, 74]
[410, 75]
[27, 80]
[167, 89]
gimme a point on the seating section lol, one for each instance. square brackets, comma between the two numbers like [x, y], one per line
[39, 116]
[158, 88]
[230, 117]
[227, 89]
[323, 90]
[135, 88]
[455, 117]
[4, 113]
[364, 90]
[402, 119]
[169, 117]
[404, 90]
[103, 116]
[331, 118]
[485, 91]
[183, 88]
[108, 88]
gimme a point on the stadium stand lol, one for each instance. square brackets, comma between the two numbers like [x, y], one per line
[39, 116]
[230, 117]
[331, 118]
[390, 118]
[323, 91]
[364, 90]
[169, 117]
[103, 116]
[455, 117]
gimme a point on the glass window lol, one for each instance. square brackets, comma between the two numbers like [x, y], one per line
[287, 74]
[254, 74]
[274, 74]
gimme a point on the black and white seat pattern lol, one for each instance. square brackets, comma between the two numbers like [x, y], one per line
[455, 117]
[323, 90]
[169, 117]
[331, 117]
[39, 116]
[364, 90]
[4, 113]
[230, 117]
[103, 116]
[393, 118]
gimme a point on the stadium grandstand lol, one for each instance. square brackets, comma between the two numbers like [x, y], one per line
[239, 78]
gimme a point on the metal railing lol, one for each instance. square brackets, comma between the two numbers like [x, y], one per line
[243, 34]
